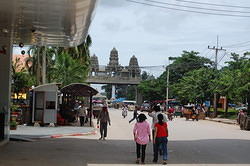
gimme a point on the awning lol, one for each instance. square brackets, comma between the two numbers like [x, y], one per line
[119, 100]
[79, 89]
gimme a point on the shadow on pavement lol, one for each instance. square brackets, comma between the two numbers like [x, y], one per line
[76, 151]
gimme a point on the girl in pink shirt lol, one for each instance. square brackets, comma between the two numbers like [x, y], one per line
[141, 137]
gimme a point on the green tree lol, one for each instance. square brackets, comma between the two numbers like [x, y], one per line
[34, 62]
[187, 62]
[131, 92]
[68, 70]
[108, 90]
[152, 89]
[233, 81]
[195, 86]
[225, 85]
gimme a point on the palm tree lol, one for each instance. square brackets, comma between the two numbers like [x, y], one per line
[44, 69]
[68, 70]
[36, 65]
[33, 64]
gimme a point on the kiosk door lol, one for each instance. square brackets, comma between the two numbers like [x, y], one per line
[50, 110]
[39, 106]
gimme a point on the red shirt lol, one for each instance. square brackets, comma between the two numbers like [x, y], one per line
[161, 130]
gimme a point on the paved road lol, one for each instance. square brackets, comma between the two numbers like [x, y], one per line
[191, 143]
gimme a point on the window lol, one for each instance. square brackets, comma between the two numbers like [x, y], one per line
[50, 105]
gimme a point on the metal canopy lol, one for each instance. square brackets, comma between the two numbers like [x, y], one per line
[79, 89]
[45, 22]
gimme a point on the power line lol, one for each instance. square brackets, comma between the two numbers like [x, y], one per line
[200, 8]
[185, 10]
[206, 55]
[237, 44]
[203, 52]
[210, 55]
[222, 57]
[213, 4]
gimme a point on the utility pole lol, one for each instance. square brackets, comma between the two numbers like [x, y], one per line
[216, 49]
[167, 89]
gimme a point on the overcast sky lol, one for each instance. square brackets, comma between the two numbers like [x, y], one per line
[153, 34]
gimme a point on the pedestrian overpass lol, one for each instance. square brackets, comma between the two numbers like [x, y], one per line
[37, 22]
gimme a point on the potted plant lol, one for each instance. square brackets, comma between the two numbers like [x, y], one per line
[13, 125]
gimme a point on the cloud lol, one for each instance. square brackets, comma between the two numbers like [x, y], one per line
[153, 34]
[113, 24]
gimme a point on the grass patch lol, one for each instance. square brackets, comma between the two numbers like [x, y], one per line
[231, 114]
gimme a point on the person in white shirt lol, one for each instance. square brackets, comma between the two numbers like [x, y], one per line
[154, 115]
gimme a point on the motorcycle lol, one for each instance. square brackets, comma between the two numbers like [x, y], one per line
[124, 113]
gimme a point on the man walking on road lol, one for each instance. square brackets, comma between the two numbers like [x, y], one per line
[104, 119]
[135, 114]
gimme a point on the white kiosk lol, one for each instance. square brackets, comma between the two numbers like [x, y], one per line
[44, 104]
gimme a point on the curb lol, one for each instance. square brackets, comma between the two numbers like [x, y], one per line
[72, 134]
[221, 121]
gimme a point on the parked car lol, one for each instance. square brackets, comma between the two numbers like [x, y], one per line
[145, 107]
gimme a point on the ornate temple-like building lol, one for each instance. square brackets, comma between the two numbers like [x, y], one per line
[115, 74]
[113, 68]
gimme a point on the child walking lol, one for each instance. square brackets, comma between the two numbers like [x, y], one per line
[142, 137]
[161, 139]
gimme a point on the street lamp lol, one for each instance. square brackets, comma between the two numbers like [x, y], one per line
[167, 89]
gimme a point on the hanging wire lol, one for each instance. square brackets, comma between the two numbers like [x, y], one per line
[237, 44]
[200, 8]
[214, 4]
[185, 10]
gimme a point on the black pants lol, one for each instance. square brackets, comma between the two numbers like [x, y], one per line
[103, 129]
[140, 151]
[82, 118]
[134, 117]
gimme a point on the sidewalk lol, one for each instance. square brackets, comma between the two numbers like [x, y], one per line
[30, 132]
[223, 120]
